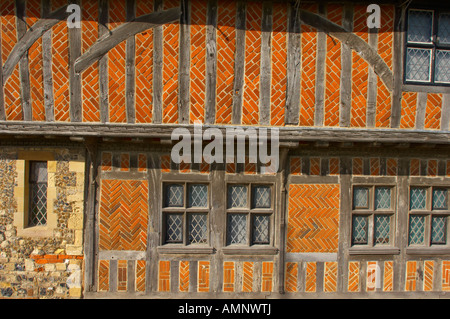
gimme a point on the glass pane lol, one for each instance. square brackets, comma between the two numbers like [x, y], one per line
[237, 229]
[383, 198]
[382, 229]
[440, 198]
[360, 197]
[261, 227]
[237, 196]
[418, 198]
[416, 230]
[359, 229]
[261, 197]
[174, 228]
[418, 64]
[38, 209]
[198, 196]
[442, 68]
[420, 26]
[444, 28]
[438, 230]
[38, 172]
[174, 195]
[197, 228]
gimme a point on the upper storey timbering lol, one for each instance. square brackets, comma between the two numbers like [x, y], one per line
[220, 62]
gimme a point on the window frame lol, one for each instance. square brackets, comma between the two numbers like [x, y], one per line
[370, 213]
[30, 182]
[428, 214]
[250, 212]
[434, 45]
[185, 211]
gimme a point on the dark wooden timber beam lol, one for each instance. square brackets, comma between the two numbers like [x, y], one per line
[123, 32]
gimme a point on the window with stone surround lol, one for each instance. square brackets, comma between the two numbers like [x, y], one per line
[372, 215]
[428, 216]
[38, 184]
[427, 52]
[249, 214]
[185, 211]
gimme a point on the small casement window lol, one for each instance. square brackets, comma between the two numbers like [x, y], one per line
[372, 215]
[186, 210]
[249, 214]
[428, 216]
[427, 56]
[38, 184]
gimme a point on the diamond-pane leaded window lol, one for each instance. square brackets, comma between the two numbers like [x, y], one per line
[440, 198]
[237, 229]
[198, 228]
[418, 198]
[198, 195]
[361, 197]
[382, 229]
[38, 193]
[438, 230]
[261, 197]
[237, 196]
[261, 224]
[174, 228]
[359, 229]
[382, 198]
[420, 26]
[186, 208]
[416, 229]
[175, 195]
[418, 65]
[427, 48]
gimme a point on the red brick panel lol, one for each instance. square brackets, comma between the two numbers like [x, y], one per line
[203, 276]
[357, 166]
[279, 63]
[384, 102]
[11, 90]
[247, 276]
[33, 13]
[228, 276]
[333, 71]
[308, 71]
[414, 167]
[313, 218]
[267, 276]
[184, 276]
[250, 108]
[140, 275]
[116, 67]
[310, 277]
[353, 276]
[164, 275]
[360, 71]
[90, 77]
[411, 276]
[106, 161]
[334, 166]
[122, 267]
[432, 167]
[103, 275]
[391, 167]
[198, 60]
[296, 165]
[433, 111]
[428, 275]
[226, 46]
[374, 166]
[123, 215]
[408, 116]
[291, 277]
[445, 275]
[330, 277]
[371, 276]
[171, 37]
[388, 280]
[144, 67]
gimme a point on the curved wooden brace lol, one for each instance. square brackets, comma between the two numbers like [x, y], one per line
[30, 37]
[123, 32]
[353, 42]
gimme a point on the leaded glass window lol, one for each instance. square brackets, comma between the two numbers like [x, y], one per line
[373, 210]
[249, 223]
[440, 200]
[416, 229]
[186, 208]
[427, 55]
[418, 198]
[360, 230]
[438, 230]
[38, 193]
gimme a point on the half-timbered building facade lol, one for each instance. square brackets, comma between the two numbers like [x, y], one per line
[92, 203]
